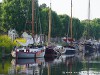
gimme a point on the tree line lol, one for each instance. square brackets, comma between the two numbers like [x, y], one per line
[17, 14]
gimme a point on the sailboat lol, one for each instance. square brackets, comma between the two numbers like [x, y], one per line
[69, 48]
[50, 49]
[88, 44]
[29, 49]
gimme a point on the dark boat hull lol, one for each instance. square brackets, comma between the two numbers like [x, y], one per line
[49, 52]
[88, 49]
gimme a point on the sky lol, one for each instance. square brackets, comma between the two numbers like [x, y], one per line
[79, 8]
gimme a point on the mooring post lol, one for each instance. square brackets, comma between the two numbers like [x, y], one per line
[3, 52]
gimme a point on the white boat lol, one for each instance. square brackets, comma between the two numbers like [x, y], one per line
[68, 48]
[29, 52]
[28, 49]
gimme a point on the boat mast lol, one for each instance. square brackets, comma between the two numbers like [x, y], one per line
[88, 25]
[32, 18]
[71, 22]
[89, 11]
[49, 33]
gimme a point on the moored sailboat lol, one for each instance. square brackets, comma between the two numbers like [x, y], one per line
[69, 47]
[88, 43]
[50, 49]
[29, 49]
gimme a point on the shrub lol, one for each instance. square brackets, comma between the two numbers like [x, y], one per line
[6, 42]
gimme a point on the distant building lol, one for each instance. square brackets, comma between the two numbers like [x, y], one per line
[12, 34]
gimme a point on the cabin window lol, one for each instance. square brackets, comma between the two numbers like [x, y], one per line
[21, 50]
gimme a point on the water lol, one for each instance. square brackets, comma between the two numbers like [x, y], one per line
[62, 65]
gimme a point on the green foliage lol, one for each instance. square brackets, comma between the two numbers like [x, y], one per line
[44, 19]
[14, 14]
[4, 66]
[0, 18]
[6, 42]
[56, 25]
[91, 28]
[65, 22]
[78, 28]
[96, 28]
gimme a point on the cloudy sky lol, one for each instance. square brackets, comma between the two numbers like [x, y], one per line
[80, 7]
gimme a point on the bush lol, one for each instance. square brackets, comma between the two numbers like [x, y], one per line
[6, 42]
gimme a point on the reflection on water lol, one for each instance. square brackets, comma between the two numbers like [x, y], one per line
[62, 65]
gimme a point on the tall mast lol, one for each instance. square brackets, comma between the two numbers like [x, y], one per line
[49, 33]
[89, 11]
[33, 18]
[71, 22]
[88, 29]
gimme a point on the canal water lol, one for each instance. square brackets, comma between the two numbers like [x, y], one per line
[62, 65]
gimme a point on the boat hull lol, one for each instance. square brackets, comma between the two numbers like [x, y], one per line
[49, 52]
[40, 53]
[69, 51]
[89, 49]
[22, 54]
[29, 55]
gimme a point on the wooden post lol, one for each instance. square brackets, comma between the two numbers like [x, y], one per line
[3, 52]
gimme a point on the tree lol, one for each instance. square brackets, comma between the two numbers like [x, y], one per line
[91, 28]
[78, 28]
[0, 18]
[56, 25]
[15, 14]
[44, 19]
[65, 21]
[96, 27]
